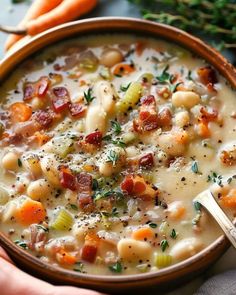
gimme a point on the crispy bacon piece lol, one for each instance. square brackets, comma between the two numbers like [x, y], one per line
[77, 110]
[68, 180]
[42, 86]
[33, 89]
[89, 250]
[228, 158]
[148, 118]
[146, 161]
[43, 118]
[60, 99]
[207, 75]
[29, 91]
[207, 116]
[94, 138]
[164, 117]
[135, 185]
[84, 187]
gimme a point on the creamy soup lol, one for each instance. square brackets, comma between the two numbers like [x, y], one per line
[105, 142]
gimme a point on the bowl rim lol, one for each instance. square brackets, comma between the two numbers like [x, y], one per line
[135, 25]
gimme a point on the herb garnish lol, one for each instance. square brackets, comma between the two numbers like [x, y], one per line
[117, 267]
[125, 88]
[165, 76]
[88, 96]
[105, 194]
[173, 87]
[194, 167]
[216, 178]
[116, 127]
[173, 234]
[19, 162]
[152, 225]
[73, 206]
[21, 244]
[164, 245]
[112, 157]
[79, 266]
[197, 207]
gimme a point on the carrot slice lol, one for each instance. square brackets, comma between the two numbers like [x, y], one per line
[203, 130]
[229, 201]
[64, 257]
[20, 112]
[123, 69]
[30, 212]
[143, 234]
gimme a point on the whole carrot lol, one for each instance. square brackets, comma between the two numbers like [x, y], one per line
[68, 10]
[38, 8]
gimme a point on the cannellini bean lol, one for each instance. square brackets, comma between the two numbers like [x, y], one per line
[49, 167]
[10, 161]
[167, 142]
[186, 248]
[132, 250]
[95, 119]
[31, 163]
[105, 95]
[39, 189]
[110, 57]
[186, 99]
[107, 168]
[182, 119]
[4, 195]
[132, 151]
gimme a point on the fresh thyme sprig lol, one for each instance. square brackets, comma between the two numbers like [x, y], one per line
[214, 17]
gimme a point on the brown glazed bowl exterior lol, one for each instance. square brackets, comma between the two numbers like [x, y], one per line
[165, 278]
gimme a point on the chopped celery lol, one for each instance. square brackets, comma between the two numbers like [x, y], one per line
[142, 267]
[105, 73]
[128, 137]
[131, 97]
[63, 221]
[62, 146]
[163, 260]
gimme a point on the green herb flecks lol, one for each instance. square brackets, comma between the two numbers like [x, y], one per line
[164, 245]
[116, 127]
[194, 167]
[152, 225]
[19, 162]
[173, 234]
[117, 267]
[21, 244]
[112, 157]
[216, 178]
[79, 266]
[165, 76]
[88, 96]
[74, 207]
[197, 207]
[125, 88]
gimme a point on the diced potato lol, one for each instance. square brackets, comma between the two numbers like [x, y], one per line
[10, 161]
[105, 95]
[9, 211]
[182, 119]
[31, 163]
[4, 195]
[49, 166]
[96, 119]
[39, 189]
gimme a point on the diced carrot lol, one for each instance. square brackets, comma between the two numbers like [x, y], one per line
[20, 112]
[41, 138]
[123, 69]
[143, 234]
[30, 212]
[176, 210]
[229, 201]
[182, 137]
[203, 130]
[89, 250]
[64, 257]
[88, 168]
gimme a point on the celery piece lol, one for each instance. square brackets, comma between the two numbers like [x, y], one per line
[131, 97]
[62, 146]
[162, 260]
[63, 221]
[128, 137]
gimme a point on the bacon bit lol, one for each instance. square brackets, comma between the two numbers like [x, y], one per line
[207, 75]
[77, 110]
[41, 137]
[164, 117]
[148, 118]
[89, 250]
[84, 186]
[42, 86]
[60, 99]
[146, 161]
[228, 158]
[67, 180]
[43, 118]
[94, 138]
[57, 67]
[136, 185]
[208, 116]
[28, 91]
[164, 92]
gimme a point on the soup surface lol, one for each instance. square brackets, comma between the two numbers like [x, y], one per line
[105, 141]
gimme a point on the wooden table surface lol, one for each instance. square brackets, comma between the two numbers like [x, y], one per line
[11, 14]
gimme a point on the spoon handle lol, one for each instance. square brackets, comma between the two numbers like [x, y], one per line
[208, 201]
[12, 30]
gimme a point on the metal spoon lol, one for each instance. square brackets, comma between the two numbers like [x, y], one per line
[207, 200]
[13, 30]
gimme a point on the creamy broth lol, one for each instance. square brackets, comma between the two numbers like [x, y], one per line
[105, 141]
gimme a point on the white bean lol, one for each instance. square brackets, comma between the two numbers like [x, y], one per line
[110, 57]
[186, 248]
[95, 119]
[105, 95]
[133, 250]
[10, 161]
[49, 167]
[182, 119]
[39, 189]
[186, 99]
[4, 195]
[167, 142]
